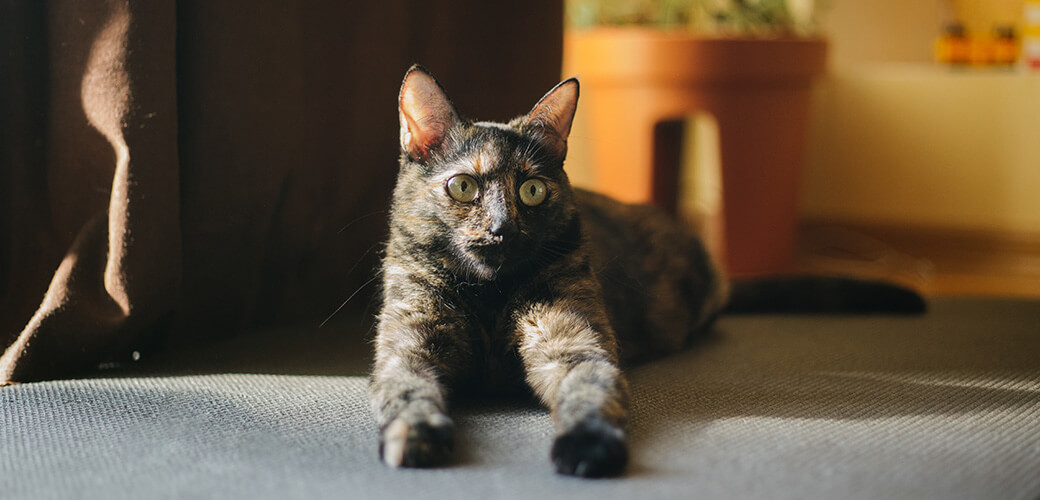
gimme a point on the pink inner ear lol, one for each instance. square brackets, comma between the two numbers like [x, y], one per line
[419, 140]
[426, 114]
[554, 114]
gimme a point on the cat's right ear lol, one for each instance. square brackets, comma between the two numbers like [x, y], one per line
[426, 114]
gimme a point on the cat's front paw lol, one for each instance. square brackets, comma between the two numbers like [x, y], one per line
[419, 443]
[593, 448]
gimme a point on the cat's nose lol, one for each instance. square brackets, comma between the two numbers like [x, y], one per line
[502, 228]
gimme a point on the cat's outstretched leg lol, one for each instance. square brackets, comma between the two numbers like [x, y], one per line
[569, 356]
[416, 353]
[409, 406]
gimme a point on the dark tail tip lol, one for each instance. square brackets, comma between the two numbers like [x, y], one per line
[823, 295]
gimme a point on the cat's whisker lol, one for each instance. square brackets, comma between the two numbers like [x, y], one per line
[338, 309]
[351, 223]
[362, 258]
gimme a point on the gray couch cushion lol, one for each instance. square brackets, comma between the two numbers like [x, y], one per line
[945, 405]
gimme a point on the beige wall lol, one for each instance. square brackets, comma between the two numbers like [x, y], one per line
[883, 30]
[898, 140]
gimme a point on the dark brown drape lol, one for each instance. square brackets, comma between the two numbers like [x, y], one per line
[198, 167]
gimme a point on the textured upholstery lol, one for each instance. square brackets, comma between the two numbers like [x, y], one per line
[946, 405]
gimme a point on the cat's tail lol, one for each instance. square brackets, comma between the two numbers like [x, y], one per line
[817, 294]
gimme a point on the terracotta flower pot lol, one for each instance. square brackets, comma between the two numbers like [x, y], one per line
[758, 92]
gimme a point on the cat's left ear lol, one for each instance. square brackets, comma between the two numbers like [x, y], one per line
[551, 118]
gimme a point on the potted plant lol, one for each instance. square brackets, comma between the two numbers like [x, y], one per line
[749, 64]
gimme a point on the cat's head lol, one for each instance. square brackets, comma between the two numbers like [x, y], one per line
[483, 198]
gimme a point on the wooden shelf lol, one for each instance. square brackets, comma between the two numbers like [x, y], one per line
[934, 260]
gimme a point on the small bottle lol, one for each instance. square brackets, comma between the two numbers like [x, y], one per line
[953, 47]
[1004, 46]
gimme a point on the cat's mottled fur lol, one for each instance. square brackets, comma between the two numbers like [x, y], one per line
[493, 291]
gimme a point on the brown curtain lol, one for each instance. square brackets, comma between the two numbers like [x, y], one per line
[194, 168]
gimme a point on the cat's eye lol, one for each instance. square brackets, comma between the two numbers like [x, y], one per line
[532, 192]
[463, 188]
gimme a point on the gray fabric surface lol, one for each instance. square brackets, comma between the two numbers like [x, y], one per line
[946, 405]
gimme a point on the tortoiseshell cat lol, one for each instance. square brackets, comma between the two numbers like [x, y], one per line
[498, 272]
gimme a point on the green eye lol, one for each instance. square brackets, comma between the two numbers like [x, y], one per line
[532, 192]
[463, 188]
